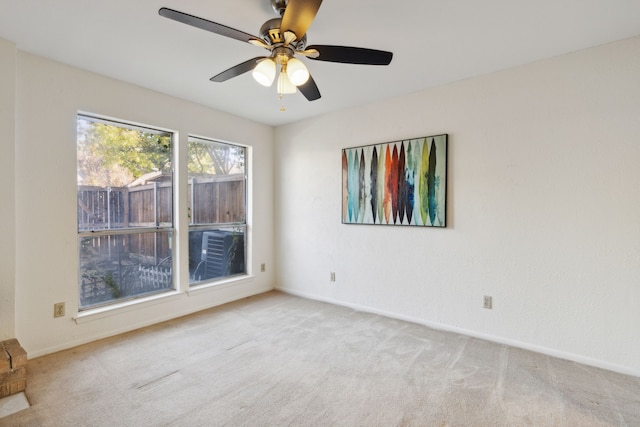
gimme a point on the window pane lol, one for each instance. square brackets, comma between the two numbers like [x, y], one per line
[124, 266]
[216, 182]
[215, 253]
[124, 176]
[217, 209]
[124, 185]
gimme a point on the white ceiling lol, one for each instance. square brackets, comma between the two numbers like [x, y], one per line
[434, 42]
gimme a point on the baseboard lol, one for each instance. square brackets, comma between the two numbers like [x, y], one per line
[475, 334]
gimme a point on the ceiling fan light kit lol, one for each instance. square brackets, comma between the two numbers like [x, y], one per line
[285, 87]
[265, 72]
[297, 72]
[284, 37]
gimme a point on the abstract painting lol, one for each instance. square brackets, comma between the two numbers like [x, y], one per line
[396, 183]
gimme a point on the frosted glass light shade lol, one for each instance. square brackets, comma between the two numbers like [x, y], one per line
[265, 72]
[297, 72]
[284, 85]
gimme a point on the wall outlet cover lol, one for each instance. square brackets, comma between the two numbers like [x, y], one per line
[58, 309]
[487, 302]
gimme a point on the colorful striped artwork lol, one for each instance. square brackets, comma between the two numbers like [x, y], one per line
[396, 183]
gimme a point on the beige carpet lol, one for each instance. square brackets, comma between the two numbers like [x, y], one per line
[280, 360]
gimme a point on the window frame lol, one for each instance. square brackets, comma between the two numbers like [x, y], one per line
[204, 227]
[158, 227]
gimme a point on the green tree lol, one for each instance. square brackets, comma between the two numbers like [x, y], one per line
[215, 158]
[115, 156]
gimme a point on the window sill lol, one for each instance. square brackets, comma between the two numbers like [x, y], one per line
[220, 284]
[138, 303]
[123, 307]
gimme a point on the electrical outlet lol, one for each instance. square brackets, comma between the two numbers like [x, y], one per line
[488, 302]
[263, 267]
[58, 309]
[332, 276]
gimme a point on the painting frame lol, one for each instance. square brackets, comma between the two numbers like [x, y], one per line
[402, 183]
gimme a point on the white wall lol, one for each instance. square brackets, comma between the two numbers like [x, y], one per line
[49, 95]
[7, 190]
[543, 209]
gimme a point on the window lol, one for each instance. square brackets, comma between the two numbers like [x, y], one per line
[217, 210]
[125, 211]
[125, 187]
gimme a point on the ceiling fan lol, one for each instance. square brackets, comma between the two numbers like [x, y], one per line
[284, 38]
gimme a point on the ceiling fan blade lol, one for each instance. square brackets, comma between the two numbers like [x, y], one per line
[206, 25]
[351, 55]
[237, 70]
[298, 16]
[310, 90]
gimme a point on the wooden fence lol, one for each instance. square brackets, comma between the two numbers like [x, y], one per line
[217, 200]
[212, 200]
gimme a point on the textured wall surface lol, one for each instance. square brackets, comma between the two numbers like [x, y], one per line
[7, 189]
[543, 208]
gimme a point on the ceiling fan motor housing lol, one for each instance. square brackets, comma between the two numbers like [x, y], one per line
[270, 32]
